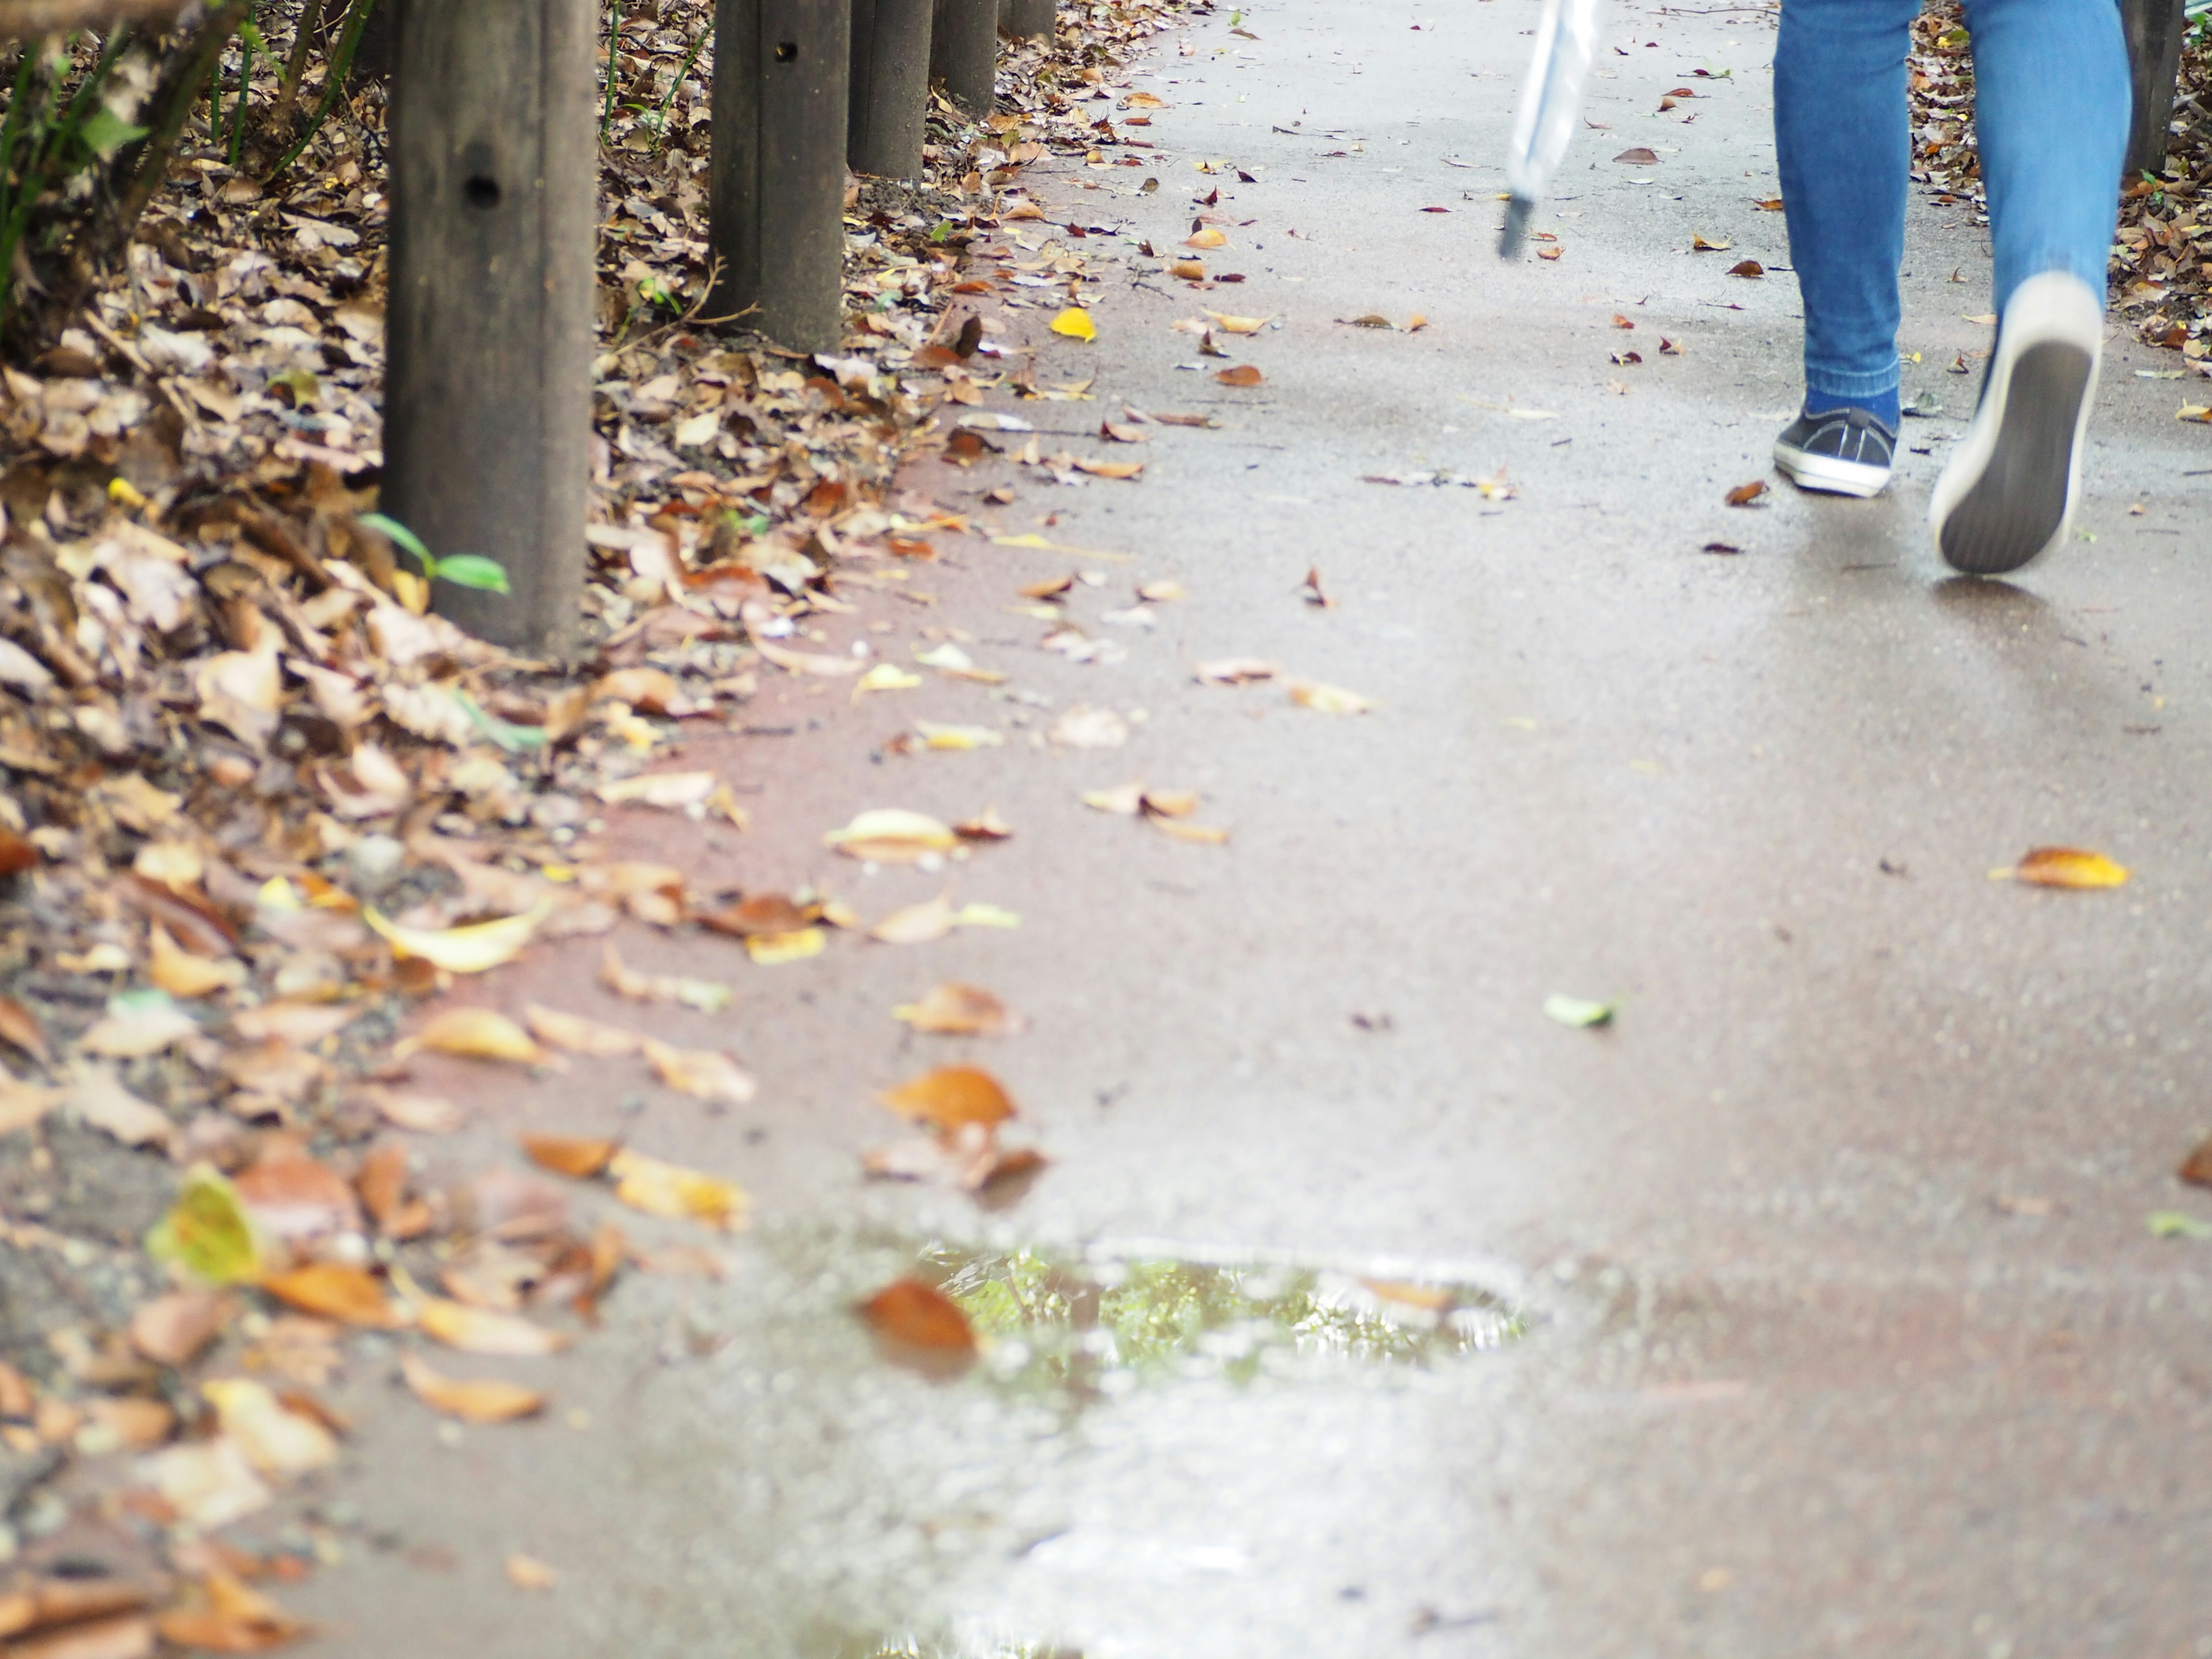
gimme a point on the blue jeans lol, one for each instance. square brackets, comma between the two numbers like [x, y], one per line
[2052, 98]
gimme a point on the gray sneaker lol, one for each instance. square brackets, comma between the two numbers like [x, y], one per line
[1844, 452]
[2007, 495]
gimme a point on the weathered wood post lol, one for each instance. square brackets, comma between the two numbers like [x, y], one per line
[963, 54]
[2154, 28]
[776, 189]
[1030, 20]
[889, 90]
[487, 408]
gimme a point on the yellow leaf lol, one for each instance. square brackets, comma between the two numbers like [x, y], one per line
[1327, 699]
[2068, 866]
[668, 1189]
[207, 1231]
[985, 916]
[528, 1572]
[774, 950]
[669, 789]
[703, 1074]
[471, 950]
[479, 1401]
[1208, 237]
[1229, 324]
[891, 836]
[955, 1010]
[936, 736]
[949, 1099]
[575, 1035]
[276, 1440]
[481, 1330]
[1075, 323]
[884, 677]
[474, 1033]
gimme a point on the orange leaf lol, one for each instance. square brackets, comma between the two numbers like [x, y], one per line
[482, 1401]
[949, 1096]
[570, 1155]
[476, 1034]
[907, 1310]
[1745, 493]
[480, 1330]
[333, 1290]
[955, 1010]
[576, 1035]
[2068, 866]
[1243, 374]
[669, 1189]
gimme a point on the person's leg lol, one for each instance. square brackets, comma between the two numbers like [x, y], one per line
[1841, 138]
[2052, 98]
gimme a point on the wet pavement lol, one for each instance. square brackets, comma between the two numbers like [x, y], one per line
[1809, 1307]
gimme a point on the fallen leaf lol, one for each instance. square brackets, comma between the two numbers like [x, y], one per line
[891, 836]
[405, 1109]
[2198, 1166]
[1207, 238]
[986, 825]
[1075, 323]
[98, 1098]
[20, 1028]
[482, 1330]
[474, 1033]
[1638, 157]
[1191, 270]
[1234, 671]
[472, 949]
[528, 1573]
[578, 1158]
[176, 1328]
[1327, 699]
[917, 924]
[672, 790]
[818, 662]
[181, 974]
[774, 950]
[703, 1073]
[884, 677]
[910, 1312]
[473, 1401]
[1700, 245]
[224, 1615]
[2067, 866]
[1204, 835]
[1747, 268]
[1085, 727]
[1098, 469]
[953, 1009]
[281, 1443]
[208, 1483]
[1720, 546]
[951, 1096]
[2176, 1223]
[937, 736]
[708, 996]
[207, 1231]
[138, 1024]
[575, 1035]
[1574, 1011]
[669, 1189]
[1229, 324]
[1243, 374]
[335, 1290]
[305, 1023]
[1745, 493]
[24, 1105]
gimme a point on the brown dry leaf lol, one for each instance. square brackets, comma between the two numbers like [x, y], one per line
[381, 1184]
[181, 974]
[407, 1109]
[919, 1315]
[917, 924]
[2068, 866]
[1745, 493]
[986, 825]
[24, 1104]
[1123, 800]
[808, 662]
[570, 1155]
[136, 1024]
[1638, 157]
[484, 1401]
[305, 1023]
[20, 1028]
[761, 913]
[1702, 245]
[1234, 671]
[335, 1290]
[1747, 268]
[573, 1034]
[127, 1636]
[281, 1443]
[1243, 374]
[1098, 468]
[954, 1009]
[173, 1329]
[703, 1073]
[480, 1330]
[527, 1573]
[475, 1034]
[1191, 270]
[669, 1189]
[708, 996]
[98, 1098]
[2196, 1168]
[951, 1096]
[672, 790]
[224, 1615]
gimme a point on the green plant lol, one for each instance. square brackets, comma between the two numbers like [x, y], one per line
[334, 78]
[462, 570]
[55, 131]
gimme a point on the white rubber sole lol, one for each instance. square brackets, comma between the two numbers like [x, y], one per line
[2007, 498]
[1831, 474]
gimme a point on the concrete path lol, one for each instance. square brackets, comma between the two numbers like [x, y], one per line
[1841, 1330]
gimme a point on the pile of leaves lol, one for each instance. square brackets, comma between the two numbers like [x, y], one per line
[2159, 270]
[259, 798]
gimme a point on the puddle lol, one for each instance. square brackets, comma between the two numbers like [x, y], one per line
[1107, 1322]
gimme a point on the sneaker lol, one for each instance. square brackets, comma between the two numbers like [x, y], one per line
[2007, 495]
[1844, 452]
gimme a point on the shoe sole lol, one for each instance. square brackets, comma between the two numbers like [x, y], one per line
[1830, 474]
[2017, 508]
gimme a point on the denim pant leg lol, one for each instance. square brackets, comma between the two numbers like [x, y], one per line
[2051, 101]
[1843, 138]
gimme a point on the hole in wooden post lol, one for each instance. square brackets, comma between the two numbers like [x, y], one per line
[481, 192]
[787, 51]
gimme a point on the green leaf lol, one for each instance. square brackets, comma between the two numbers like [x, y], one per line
[940, 230]
[252, 36]
[474, 570]
[1574, 1011]
[2175, 1223]
[207, 1231]
[104, 132]
[507, 737]
[401, 534]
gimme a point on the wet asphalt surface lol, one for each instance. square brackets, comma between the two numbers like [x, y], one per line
[1836, 1326]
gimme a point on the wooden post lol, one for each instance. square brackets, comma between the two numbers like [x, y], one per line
[2154, 28]
[487, 408]
[890, 86]
[776, 191]
[1030, 20]
[963, 54]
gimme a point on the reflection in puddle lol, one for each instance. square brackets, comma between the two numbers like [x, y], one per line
[1109, 1324]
